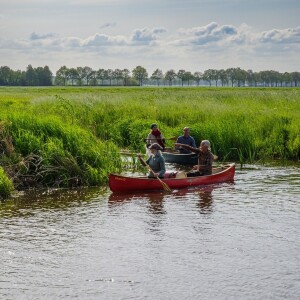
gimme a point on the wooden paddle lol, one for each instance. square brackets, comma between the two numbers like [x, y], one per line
[174, 138]
[164, 185]
[131, 152]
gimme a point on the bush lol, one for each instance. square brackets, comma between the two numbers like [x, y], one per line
[6, 185]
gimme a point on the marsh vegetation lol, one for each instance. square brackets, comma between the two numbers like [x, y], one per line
[72, 136]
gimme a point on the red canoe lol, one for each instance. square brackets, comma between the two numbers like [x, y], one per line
[119, 183]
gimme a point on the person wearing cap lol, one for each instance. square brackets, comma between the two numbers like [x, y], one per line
[155, 136]
[205, 158]
[155, 161]
[185, 139]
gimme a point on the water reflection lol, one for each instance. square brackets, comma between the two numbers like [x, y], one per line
[203, 197]
[25, 204]
[154, 200]
[152, 207]
[205, 203]
[156, 205]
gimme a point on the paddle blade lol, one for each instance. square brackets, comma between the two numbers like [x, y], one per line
[166, 187]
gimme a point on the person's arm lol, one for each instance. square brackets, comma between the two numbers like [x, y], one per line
[178, 142]
[162, 167]
[163, 141]
[193, 142]
[204, 167]
[195, 150]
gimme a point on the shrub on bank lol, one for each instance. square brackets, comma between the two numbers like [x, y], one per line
[48, 152]
[6, 185]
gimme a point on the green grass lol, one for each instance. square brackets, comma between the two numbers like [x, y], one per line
[65, 136]
[6, 185]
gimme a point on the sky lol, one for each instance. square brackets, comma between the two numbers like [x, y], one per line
[190, 35]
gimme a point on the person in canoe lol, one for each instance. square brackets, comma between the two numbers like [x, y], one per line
[155, 136]
[205, 159]
[185, 139]
[156, 161]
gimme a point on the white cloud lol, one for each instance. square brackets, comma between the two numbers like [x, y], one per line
[35, 36]
[210, 34]
[69, 42]
[287, 36]
[209, 46]
[145, 36]
[200, 31]
[100, 40]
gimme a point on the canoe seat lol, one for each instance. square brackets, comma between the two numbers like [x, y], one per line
[181, 174]
[178, 174]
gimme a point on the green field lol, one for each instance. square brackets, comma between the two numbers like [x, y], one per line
[70, 136]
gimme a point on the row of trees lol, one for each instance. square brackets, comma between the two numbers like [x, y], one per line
[40, 76]
[139, 76]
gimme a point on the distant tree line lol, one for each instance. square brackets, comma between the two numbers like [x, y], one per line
[86, 76]
[31, 77]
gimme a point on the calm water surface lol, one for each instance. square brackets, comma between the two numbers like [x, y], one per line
[228, 241]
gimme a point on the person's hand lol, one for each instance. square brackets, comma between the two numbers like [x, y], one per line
[177, 144]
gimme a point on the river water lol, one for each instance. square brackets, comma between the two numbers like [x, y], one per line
[236, 240]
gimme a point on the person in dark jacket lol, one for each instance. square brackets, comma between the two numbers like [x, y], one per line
[186, 139]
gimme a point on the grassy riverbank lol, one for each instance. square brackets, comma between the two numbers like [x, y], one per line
[65, 136]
